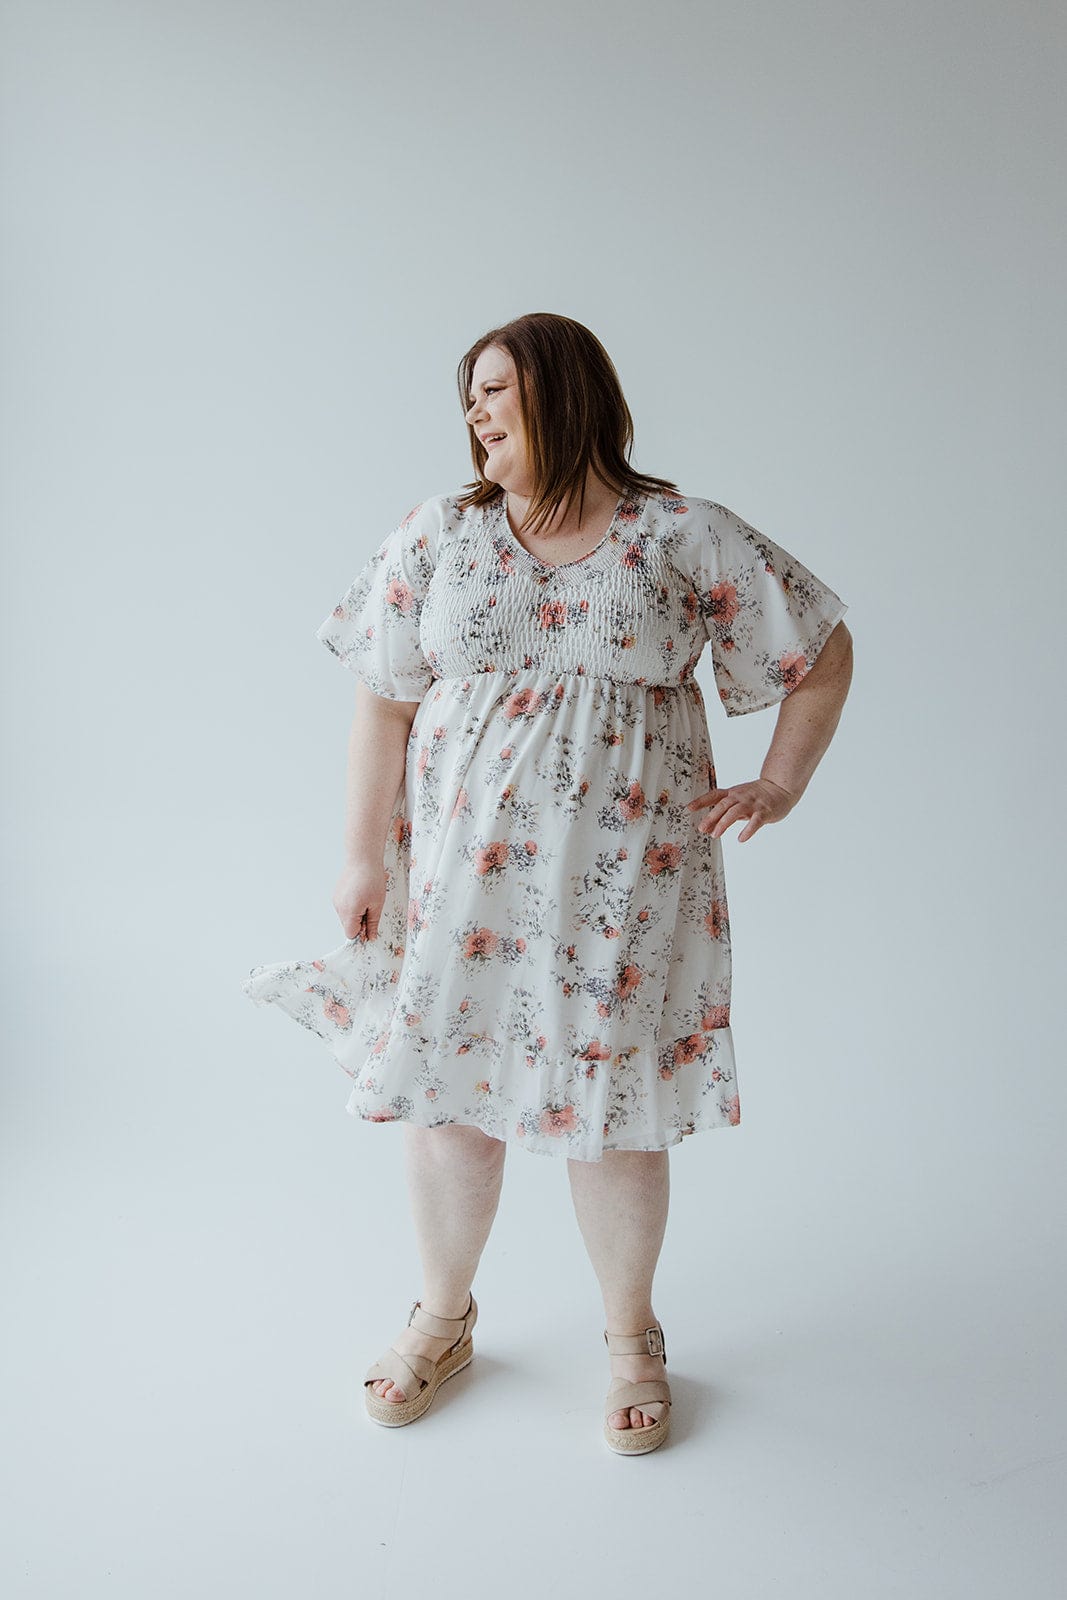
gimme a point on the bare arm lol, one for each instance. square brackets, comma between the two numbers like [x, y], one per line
[377, 745]
[807, 721]
[808, 718]
[377, 751]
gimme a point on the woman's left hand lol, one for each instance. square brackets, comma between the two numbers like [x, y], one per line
[760, 801]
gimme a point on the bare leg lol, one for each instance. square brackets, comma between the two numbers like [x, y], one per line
[455, 1175]
[621, 1204]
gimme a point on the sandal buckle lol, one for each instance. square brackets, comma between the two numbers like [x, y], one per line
[654, 1337]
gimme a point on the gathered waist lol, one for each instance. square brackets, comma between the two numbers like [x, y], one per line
[544, 676]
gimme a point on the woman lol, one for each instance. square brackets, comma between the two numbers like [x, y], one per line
[533, 893]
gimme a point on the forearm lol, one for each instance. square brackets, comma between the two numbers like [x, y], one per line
[808, 717]
[377, 749]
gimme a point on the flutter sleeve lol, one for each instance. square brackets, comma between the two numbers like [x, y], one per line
[374, 627]
[766, 614]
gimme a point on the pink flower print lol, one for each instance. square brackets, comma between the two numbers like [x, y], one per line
[412, 1019]
[595, 1051]
[664, 797]
[717, 921]
[506, 560]
[491, 859]
[662, 858]
[690, 606]
[611, 932]
[399, 596]
[480, 944]
[733, 1109]
[520, 945]
[320, 966]
[461, 802]
[723, 603]
[464, 1005]
[688, 1049]
[530, 847]
[553, 614]
[507, 752]
[643, 914]
[336, 1012]
[666, 1073]
[431, 1094]
[583, 605]
[627, 982]
[381, 1116]
[523, 703]
[559, 1121]
[439, 733]
[519, 1129]
[603, 1009]
[632, 804]
[583, 787]
[421, 763]
[483, 1086]
[622, 854]
[715, 1017]
[793, 667]
[633, 556]
[463, 1049]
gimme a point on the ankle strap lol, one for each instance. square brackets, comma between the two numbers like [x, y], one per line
[650, 1342]
[437, 1327]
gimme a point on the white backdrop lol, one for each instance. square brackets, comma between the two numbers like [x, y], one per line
[245, 247]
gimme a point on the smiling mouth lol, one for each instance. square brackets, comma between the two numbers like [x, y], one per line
[494, 439]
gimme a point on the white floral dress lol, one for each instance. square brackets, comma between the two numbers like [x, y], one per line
[553, 957]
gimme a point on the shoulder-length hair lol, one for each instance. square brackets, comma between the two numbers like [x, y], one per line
[573, 410]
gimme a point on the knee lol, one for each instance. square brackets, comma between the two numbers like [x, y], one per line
[453, 1139]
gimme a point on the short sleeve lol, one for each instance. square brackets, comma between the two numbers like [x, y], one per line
[767, 615]
[374, 627]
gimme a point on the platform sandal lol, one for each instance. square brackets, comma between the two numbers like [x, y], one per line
[624, 1393]
[419, 1376]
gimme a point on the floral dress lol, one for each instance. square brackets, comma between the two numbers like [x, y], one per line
[552, 963]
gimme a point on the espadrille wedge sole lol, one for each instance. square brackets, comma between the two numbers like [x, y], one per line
[623, 1394]
[418, 1376]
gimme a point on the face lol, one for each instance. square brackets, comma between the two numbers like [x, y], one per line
[496, 408]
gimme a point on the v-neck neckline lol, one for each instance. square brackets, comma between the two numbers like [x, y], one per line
[593, 559]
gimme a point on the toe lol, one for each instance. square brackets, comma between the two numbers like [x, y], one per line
[619, 1419]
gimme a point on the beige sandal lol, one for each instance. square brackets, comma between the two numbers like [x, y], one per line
[419, 1376]
[624, 1393]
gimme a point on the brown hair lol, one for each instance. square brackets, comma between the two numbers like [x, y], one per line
[573, 410]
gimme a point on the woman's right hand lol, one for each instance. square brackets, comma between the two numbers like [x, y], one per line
[359, 896]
